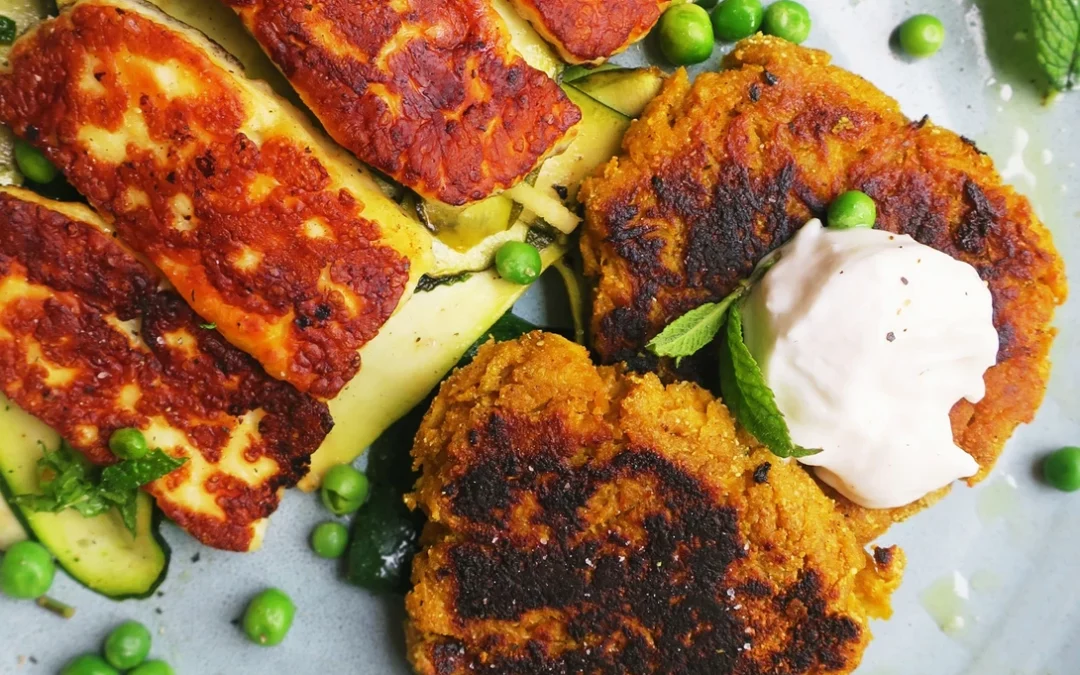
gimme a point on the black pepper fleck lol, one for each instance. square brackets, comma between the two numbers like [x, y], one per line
[890, 336]
[761, 473]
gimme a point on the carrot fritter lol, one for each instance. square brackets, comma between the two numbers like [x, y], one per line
[591, 31]
[427, 91]
[671, 225]
[90, 343]
[262, 225]
[582, 520]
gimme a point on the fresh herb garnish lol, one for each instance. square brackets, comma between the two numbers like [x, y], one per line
[68, 481]
[1057, 37]
[749, 397]
[688, 334]
[7, 30]
[208, 326]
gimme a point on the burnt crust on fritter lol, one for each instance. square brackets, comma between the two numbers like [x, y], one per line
[588, 521]
[591, 31]
[670, 226]
[82, 282]
[256, 232]
[427, 91]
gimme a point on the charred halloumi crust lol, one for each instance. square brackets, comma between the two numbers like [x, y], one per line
[582, 520]
[777, 137]
[91, 342]
[427, 91]
[262, 225]
[591, 31]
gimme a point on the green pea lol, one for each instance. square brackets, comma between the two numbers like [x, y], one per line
[686, 35]
[33, 164]
[269, 617]
[737, 19]
[329, 540]
[127, 646]
[155, 667]
[922, 35]
[7, 30]
[88, 664]
[26, 571]
[519, 262]
[787, 19]
[1062, 469]
[128, 443]
[344, 490]
[852, 209]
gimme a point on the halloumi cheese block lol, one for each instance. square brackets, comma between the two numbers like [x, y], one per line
[264, 226]
[591, 31]
[92, 340]
[427, 91]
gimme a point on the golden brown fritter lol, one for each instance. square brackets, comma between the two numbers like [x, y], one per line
[427, 91]
[263, 226]
[591, 31]
[586, 521]
[672, 224]
[91, 341]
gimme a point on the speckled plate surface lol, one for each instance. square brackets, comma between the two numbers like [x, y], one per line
[992, 584]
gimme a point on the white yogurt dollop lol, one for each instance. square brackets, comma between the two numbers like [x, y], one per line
[868, 339]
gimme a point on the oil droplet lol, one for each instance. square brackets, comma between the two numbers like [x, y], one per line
[998, 500]
[946, 602]
[1015, 167]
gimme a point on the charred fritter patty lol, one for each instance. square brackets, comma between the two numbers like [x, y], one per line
[586, 521]
[264, 227]
[671, 224]
[591, 31]
[91, 342]
[427, 91]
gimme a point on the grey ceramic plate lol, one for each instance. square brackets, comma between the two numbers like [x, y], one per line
[993, 582]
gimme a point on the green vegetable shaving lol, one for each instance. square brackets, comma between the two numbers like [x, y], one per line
[749, 397]
[576, 297]
[1057, 37]
[68, 481]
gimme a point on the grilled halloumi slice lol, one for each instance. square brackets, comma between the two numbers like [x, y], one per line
[427, 91]
[591, 31]
[264, 226]
[91, 341]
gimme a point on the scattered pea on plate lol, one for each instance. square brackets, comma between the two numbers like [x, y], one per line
[788, 20]
[686, 35]
[737, 19]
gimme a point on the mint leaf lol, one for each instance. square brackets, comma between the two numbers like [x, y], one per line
[67, 481]
[688, 334]
[131, 474]
[1057, 36]
[749, 397]
[691, 331]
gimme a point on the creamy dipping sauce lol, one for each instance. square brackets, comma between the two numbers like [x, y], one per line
[868, 339]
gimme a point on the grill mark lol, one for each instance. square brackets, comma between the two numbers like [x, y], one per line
[192, 387]
[648, 602]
